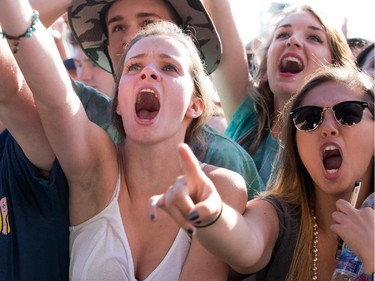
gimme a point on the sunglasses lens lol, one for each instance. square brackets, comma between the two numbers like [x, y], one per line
[307, 118]
[349, 113]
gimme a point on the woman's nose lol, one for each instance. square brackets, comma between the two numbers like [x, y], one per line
[329, 124]
[293, 41]
[149, 73]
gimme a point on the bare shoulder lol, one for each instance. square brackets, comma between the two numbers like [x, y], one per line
[230, 185]
[263, 214]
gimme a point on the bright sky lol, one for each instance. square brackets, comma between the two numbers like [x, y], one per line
[250, 15]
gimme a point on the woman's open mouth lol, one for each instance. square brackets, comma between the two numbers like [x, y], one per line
[332, 159]
[147, 104]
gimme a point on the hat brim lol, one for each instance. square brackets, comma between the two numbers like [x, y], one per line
[86, 26]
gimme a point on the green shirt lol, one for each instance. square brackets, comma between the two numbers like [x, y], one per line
[242, 121]
[221, 151]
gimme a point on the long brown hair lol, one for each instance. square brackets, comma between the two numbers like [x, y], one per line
[293, 182]
[261, 93]
[203, 86]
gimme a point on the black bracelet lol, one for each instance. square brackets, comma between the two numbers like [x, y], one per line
[215, 220]
[27, 34]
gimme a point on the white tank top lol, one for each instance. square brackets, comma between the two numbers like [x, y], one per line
[99, 249]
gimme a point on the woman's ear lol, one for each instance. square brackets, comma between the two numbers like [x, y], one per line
[264, 78]
[118, 110]
[195, 108]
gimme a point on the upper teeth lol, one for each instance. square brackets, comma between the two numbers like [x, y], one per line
[330, 147]
[147, 90]
[285, 60]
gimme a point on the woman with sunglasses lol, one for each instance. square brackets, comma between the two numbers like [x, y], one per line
[291, 232]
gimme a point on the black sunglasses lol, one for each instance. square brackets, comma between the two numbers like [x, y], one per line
[347, 113]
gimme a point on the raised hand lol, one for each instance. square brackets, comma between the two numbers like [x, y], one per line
[356, 228]
[192, 201]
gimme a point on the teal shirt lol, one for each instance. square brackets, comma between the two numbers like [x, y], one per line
[221, 150]
[242, 121]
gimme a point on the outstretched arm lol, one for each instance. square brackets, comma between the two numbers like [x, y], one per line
[18, 113]
[231, 78]
[244, 242]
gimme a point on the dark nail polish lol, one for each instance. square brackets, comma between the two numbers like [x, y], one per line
[190, 231]
[193, 216]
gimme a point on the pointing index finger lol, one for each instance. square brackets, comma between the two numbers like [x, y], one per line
[189, 162]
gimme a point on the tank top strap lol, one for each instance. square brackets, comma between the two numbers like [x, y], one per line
[120, 167]
[118, 186]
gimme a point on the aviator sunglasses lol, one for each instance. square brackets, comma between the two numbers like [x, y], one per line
[347, 113]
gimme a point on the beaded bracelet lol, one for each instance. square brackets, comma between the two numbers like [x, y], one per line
[212, 222]
[26, 34]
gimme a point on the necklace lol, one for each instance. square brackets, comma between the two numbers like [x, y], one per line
[315, 249]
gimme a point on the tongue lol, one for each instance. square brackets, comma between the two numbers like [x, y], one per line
[147, 105]
[332, 162]
[145, 114]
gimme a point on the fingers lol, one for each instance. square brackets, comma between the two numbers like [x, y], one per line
[342, 216]
[189, 162]
[207, 200]
[155, 202]
[343, 209]
[176, 202]
[192, 198]
[344, 206]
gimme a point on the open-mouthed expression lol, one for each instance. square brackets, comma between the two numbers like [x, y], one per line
[156, 88]
[299, 47]
[336, 155]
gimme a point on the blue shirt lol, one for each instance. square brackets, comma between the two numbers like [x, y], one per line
[34, 221]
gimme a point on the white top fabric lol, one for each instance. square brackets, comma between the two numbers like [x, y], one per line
[99, 250]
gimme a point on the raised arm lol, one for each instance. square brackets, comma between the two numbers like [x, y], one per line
[18, 113]
[49, 10]
[245, 242]
[231, 78]
[82, 148]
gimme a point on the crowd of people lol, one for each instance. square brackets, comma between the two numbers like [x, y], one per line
[252, 159]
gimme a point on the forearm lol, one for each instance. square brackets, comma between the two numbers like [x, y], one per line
[11, 78]
[232, 76]
[50, 10]
[37, 57]
[59, 108]
[230, 239]
[18, 113]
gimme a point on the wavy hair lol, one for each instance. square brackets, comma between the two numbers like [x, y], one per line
[293, 182]
[261, 93]
[202, 85]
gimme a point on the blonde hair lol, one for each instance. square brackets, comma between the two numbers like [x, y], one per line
[293, 182]
[261, 93]
[202, 85]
